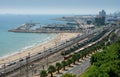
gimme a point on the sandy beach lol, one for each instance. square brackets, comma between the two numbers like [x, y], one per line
[61, 37]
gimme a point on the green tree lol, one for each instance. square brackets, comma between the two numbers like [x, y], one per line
[89, 50]
[85, 53]
[51, 69]
[69, 61]
[68, 75]
[78, 56]
[64, 63]
[82, 54]
[118, 53]
[74, 58]
[43, 73]
[58, 66]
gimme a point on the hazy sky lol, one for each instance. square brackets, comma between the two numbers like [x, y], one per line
[58, 6]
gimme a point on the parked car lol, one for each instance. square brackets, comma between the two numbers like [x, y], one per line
[21, 59]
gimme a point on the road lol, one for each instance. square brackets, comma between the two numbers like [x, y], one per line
[13, 68]
[78, 68]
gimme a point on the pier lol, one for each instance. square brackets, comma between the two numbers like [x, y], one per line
[72, 27]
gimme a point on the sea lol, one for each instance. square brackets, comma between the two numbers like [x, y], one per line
[11, 43]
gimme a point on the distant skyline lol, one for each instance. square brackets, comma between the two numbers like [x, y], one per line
[58, 6]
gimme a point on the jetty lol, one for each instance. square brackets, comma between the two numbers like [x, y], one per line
[71, 27]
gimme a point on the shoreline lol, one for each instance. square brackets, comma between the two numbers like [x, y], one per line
[61, 37]
[28, 47]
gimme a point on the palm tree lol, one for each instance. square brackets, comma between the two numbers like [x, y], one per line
[43, 73]
[69, 61]
[74, 57]
[85, 53]
[78, 56]
[64, 63]
[95, 48]
[82, 54]
[92, 49]
[51, 69]
[58, 66]
[68, 75]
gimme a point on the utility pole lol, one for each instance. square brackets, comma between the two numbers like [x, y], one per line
[27, 63]
[4, 70]
[55, 43]
[27, 68]
[3, 73]
[32, 66]
[20, 69]
[47, 62]
[44, 57]
[20, 64]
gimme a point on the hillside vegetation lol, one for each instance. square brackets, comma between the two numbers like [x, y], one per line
[105, 63]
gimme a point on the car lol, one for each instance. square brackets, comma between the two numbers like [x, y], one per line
[12, 63]
[27, 57]
[8, 64]
[1, 73]
[21, 59]
[39, 52]
[50, 51]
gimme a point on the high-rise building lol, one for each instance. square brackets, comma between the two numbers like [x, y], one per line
[101, 18]
[102, 13]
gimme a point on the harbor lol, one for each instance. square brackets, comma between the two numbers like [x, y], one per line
[69, 35]
[76, 26]
[59, 38]
[89, 36]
